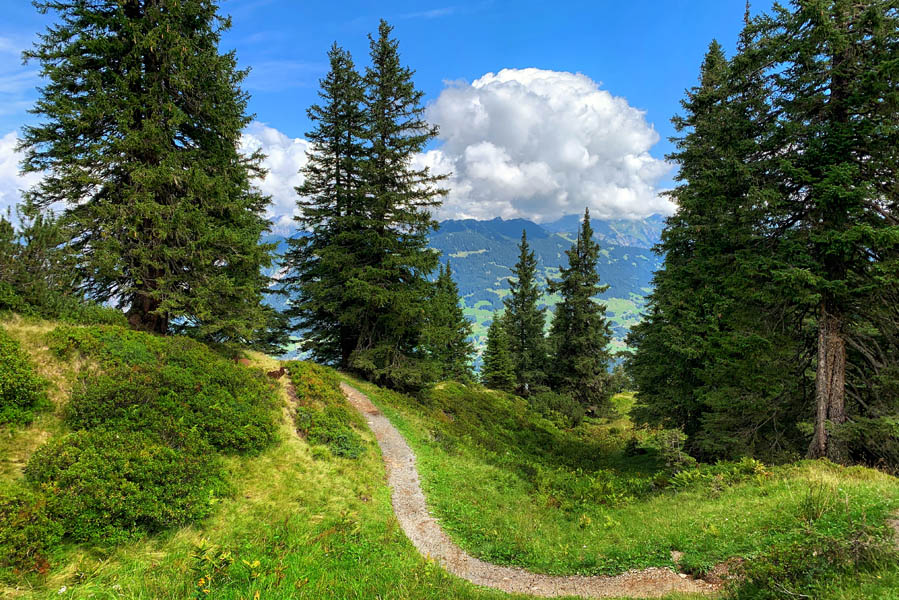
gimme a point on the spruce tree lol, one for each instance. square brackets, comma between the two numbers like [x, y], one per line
[139, 126]
[524, 321]
[498, 370]
[388, 288]
[580, 332]
[447, 333]
[332, 216]
[711, 354]
[834, 67]
[773, 307]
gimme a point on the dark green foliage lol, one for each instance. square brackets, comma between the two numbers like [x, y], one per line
[22, 391]
[175, 388]
[524, 322]
[447, 333]
[620, 380]
[333, 212]
[322, 414]
[782, 258]
[721, 355]
[580, 332]
[389, 289]
[108, 486]
[561, 409]
[498, 370]
[139, 124]
[360, 277]
[27, 531]
[37, 274]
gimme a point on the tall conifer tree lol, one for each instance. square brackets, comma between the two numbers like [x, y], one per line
[389, 287]
[835, 67]
[525, 320]
[498, 370]
[140, 121]
[709, 357]
[447, 333]
[333, 216]
[580, 332]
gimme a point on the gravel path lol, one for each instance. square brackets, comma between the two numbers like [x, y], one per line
[426, 535]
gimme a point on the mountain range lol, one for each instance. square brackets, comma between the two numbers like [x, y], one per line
[481, 255]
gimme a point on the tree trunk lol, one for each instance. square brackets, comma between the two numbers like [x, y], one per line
[830, 387]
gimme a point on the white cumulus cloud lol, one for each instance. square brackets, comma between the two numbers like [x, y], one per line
[12, 183]
[525, 143]
[284, 156]
[541, 144]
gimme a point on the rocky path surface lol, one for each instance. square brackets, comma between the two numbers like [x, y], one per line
[427, 536]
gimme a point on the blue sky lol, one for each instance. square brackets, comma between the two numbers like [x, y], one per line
[634, 59]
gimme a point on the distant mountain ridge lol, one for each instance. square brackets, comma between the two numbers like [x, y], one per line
[481, 255]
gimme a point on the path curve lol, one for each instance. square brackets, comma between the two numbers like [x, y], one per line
[427, 536]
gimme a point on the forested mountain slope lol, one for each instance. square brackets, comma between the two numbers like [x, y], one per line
[482, 254]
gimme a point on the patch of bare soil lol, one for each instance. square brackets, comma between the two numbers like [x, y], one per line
[427, 536]
[894, 523]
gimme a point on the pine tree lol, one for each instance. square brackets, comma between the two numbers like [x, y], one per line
[834, 69]
[388, 288]
[333, 215]
[712, 352]
[447, 333]
[140, 121]
[580, 332]
[498, 370]
[525, 321]
[781, 260]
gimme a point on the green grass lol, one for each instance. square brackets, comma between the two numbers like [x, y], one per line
[299, 523]
[512, 489]
[508, 485]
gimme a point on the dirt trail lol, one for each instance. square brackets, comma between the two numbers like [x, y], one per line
[426, 535]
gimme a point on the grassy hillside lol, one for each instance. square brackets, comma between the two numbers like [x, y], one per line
[297, 521]
[292, 501]
[515, 488]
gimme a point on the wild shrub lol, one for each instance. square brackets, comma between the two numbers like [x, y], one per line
[670, 445]
[561, 409]
[173, 387]
[322, 414]
[720, 475]
[27, 531]
[22, 391]
[108, 486]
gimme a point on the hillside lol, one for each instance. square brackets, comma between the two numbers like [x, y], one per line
[291, 499]
[289, 518]
[482, 254]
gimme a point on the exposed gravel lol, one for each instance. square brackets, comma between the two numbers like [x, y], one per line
[425, 533]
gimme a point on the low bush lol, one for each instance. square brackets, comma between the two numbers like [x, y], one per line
[175, 387]
[561, 409]
[106, 486]
[322, 414]
[720, 475]
[22, 391]
[27, 531]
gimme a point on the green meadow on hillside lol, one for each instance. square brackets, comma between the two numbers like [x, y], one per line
[291, 500]
[515, 488]
[293, 520]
